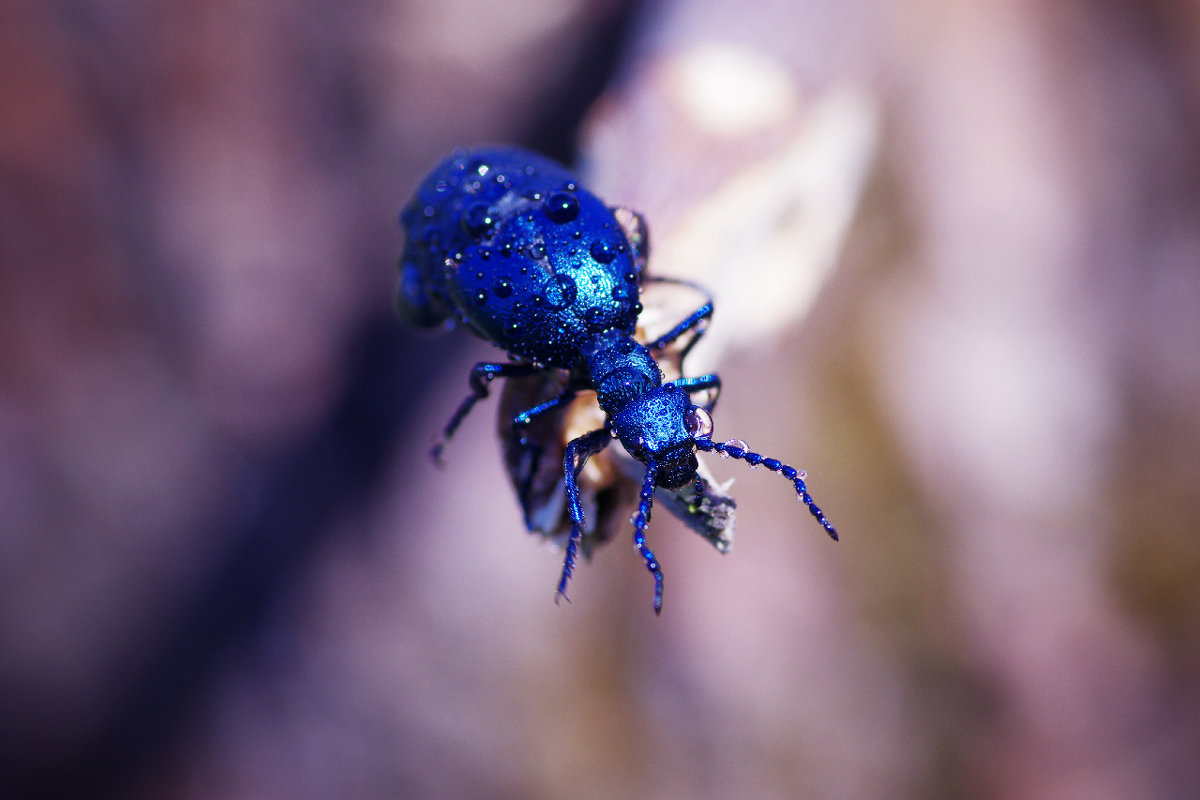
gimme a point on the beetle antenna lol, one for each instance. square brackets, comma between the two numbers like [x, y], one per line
[741, 452]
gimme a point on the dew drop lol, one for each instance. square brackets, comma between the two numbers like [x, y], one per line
[481, 297]
[603, 251]
[561, 291]
[502, 287]
[537, 251]
[623, 294]
[699, 423]
[562, 207]
[478, 220]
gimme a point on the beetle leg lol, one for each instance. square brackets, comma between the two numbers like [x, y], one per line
[482, 374]
[701, 383]
[697, 321]
[640, 521]
[576, 456]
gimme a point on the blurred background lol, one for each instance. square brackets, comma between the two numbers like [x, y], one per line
[956, 255]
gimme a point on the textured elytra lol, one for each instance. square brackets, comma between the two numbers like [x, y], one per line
[508, 243]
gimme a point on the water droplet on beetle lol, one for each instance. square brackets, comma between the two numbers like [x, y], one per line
[561, 291]
[478, 220]
[699, 423]
[562, 207]
[623, 294]
[502, 287]
[736, 443]
[602, 251]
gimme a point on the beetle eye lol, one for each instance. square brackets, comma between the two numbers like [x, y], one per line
[698, 422]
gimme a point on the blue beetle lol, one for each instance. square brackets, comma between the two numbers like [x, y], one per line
[510, 245]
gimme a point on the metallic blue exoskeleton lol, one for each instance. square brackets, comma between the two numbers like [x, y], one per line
[509, 244]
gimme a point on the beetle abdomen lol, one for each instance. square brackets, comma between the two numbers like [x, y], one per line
[507, 242]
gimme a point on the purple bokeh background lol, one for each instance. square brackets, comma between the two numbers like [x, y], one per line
[228, 569]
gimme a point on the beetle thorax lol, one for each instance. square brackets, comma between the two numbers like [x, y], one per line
[621, 370]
